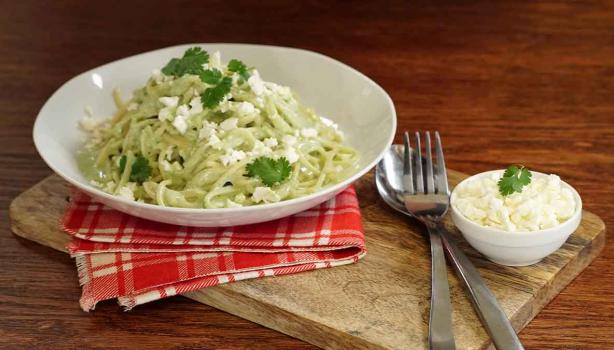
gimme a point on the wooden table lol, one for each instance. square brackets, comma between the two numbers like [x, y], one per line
[504, 82]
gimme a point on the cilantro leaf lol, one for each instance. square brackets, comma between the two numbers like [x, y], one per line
[514, 179]
[139, 171]
[212, 96]
[269, 170]
[238, 67]
[211, 76]
[191, 63]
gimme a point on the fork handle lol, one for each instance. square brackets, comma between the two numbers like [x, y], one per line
[494, 319]
[441, 336]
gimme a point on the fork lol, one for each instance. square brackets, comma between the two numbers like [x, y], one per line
[426, 197]
[429, 206]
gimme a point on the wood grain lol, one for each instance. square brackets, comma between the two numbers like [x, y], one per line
[505, 81]
[380, 303]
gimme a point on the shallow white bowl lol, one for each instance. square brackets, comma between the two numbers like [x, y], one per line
[516, 248]
[361, 108]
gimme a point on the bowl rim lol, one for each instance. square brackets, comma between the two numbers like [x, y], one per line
[519, 234]
[331, 189]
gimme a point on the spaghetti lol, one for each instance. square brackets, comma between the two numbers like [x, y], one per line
[172, 144]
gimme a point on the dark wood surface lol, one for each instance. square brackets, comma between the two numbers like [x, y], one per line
[504, 82]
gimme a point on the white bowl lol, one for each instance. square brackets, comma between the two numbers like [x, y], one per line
[361, 108]
[516, 248]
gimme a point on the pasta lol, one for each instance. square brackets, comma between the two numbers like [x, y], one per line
[205, 134]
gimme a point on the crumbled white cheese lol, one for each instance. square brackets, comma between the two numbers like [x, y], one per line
[309, 132]
[165, 114]
[169, 101]
[544, 203]
[215, 142]
[256, 84]
[183, 111]
[224, 106]
[270, 142]
[280, 90]
[126, 193]
[209, 129]
[215, 59]
[168, 154]
[168, 166]
[260, 149]
[232, 156]
[89, 124]
[235, 79]
[245, 109]
[291, 155]
[180, 123]
[157, 76]
[229, 124]
[196, 106]
[265, 194]
[259, 102]
[289, 140]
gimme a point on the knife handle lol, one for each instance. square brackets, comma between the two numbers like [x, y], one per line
[484, 301]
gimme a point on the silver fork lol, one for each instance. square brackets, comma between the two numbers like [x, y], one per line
[426, 197]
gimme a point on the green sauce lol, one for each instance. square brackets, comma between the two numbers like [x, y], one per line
[86, 160]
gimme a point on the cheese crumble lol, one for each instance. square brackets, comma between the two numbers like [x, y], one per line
[543, 204]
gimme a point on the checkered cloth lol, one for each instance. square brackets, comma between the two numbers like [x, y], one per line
[137, 261]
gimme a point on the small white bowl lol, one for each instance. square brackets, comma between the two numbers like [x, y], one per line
[515, 248]
[361, 108]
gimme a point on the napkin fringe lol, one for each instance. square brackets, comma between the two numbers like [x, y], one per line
[82, 269]
[127, 302]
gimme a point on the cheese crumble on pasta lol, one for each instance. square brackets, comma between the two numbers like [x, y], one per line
[205, 134]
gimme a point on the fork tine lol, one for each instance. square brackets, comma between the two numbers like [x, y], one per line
[419, 178]
[408, 183]
[430, 184]
[442, 177]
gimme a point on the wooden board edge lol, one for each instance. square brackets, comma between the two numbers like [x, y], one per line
[274, 317]
[563, 277]
[59, 244]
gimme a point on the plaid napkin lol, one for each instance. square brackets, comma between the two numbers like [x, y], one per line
[137, 261]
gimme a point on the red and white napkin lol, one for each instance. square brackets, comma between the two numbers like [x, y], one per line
[137, 261]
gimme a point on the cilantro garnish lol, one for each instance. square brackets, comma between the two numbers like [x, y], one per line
[191, 63]
[140, 170]
[269, 170]
[211, 76]
[212, 96]
[514, 179]
[238, 67]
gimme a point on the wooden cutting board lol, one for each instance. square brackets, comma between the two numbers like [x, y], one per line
[382, 302]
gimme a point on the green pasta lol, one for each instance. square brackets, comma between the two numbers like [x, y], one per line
[187, 138]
